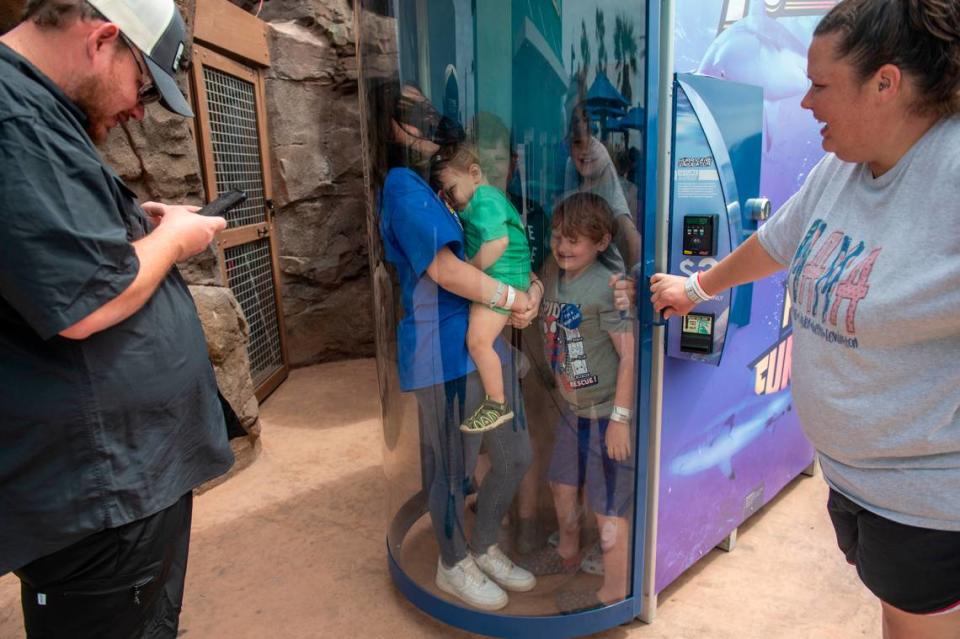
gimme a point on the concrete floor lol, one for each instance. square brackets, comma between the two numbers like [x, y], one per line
[293, 547]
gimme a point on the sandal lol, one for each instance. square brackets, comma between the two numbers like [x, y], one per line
[547, 561]
[592, 563]
[489, 415]
[571, 601]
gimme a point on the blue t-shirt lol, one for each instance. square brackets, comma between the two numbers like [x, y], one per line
[431, 337]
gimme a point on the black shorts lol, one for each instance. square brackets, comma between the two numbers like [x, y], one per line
[120, 583]
[914, 569]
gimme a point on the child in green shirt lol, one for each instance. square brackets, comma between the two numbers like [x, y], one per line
[496, 243]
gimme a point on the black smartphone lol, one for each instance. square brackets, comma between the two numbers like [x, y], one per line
[224, 203]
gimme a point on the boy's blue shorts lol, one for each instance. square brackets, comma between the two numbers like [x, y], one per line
[580, 459]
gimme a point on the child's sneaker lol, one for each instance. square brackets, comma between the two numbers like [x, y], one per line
[488, 416]
[467, 582]
[503, 571]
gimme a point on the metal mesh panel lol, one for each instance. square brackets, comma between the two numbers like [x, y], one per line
[250, 278]
[236, 146]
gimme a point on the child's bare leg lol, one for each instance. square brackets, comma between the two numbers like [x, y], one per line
[616, 568]
[485, 326]
[565, 500]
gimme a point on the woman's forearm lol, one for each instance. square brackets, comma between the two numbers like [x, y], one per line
[748, 263]
[460, 278]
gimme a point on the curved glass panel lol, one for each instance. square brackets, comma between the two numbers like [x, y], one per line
[506, 137]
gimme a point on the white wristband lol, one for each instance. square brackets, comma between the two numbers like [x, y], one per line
[694, 291]
[497, 295]
[621, 414]
[511, 298]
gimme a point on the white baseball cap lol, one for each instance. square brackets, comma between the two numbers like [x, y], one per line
[156, 28]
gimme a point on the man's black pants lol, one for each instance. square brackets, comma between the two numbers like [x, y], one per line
[121, 583]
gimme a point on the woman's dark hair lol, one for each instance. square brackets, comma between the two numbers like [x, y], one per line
[585, 214]
[391, 104]
[921, 37]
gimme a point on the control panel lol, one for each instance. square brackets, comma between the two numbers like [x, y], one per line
[714, 203]
[700, 235]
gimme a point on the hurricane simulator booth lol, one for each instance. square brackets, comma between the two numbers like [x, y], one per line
[690, 127]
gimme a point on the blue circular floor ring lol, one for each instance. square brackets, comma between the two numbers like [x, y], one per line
[509, 626]
[486, 623]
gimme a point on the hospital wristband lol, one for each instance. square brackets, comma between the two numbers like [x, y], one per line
[495, 298]
[511, 298]
[694, 291]
[621, 414]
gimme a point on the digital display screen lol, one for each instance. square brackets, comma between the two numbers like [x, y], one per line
[698, 324]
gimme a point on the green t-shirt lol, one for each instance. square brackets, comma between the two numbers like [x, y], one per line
[490, 216]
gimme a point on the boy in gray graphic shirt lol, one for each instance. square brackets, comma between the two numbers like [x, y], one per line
[589, 345]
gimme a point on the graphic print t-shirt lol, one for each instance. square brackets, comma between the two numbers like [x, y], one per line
[576, 317]
[874, 279]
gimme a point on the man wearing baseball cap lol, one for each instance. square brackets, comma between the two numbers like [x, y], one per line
[109, 415]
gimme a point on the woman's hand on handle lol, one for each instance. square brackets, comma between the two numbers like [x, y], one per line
[669, 296]
[748, 263]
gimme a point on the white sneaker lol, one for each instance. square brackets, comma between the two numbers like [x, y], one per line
[503, 571]
[467, 582]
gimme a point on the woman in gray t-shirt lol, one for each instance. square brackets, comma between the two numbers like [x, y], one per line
[870, 244]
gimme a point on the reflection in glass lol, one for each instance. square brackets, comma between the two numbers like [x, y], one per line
[543, 100]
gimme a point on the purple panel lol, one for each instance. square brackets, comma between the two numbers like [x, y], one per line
[731, 439]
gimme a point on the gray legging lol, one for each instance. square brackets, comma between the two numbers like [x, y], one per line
[448, 458]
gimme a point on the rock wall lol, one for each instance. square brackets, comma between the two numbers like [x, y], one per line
[227, 334]
[314, 135]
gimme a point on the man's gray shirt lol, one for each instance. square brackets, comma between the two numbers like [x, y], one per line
[99, 432]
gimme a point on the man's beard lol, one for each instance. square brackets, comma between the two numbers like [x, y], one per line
[90, 95]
